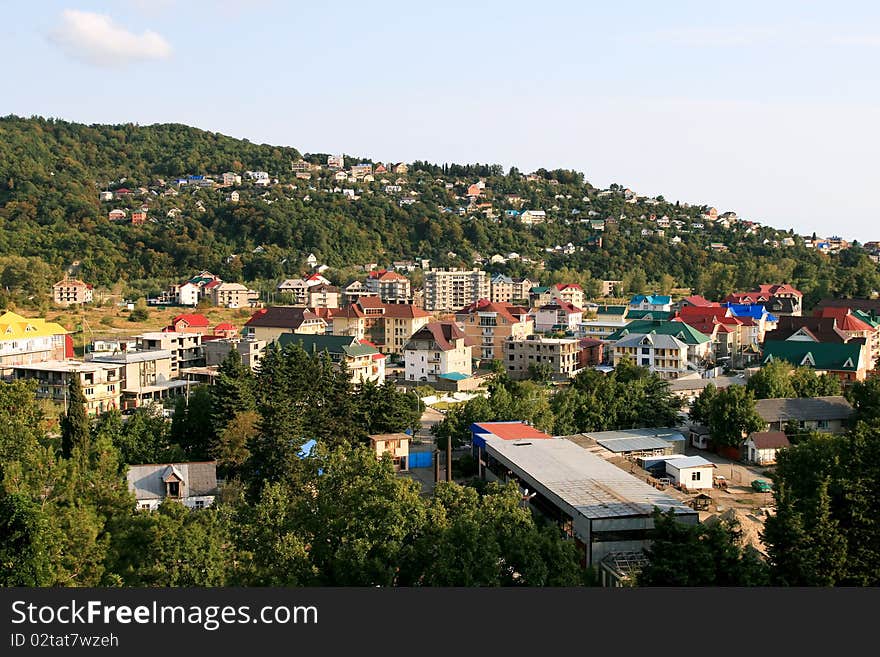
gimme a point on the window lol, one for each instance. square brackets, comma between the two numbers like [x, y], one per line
[695, 476]
[823, 424]
[200, 504]
[89, 391]
[173, 489]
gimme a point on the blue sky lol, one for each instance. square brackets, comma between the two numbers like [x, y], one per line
[768, 109]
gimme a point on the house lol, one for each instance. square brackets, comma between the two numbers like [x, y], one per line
[612, 313]
[691, 473]
[71, 292]
[651, 302]
[233, 197]
[825, 414]
[354, 291]
[437, 348]
[225, 330]
[847, 361]
[664, 354]
[28, 340]
[192, 323]
[323, 296]
[298, 288]
[489, 324]
[560, 354]
[756, 317]
[570, 292]
[234, 295]
[105, 196]
[558, 315]
[335, 162]
[269, 323]
[361, 359]
[101, 383]
[727, 333]
[394, 444]
[389, 325]
[606, 511]
[361, 170]
[188, 294]
[780, 299]
[138, 217]
[699, 345]
[192, 484]
[590, 352]
[117, 215]
[532, 217]
[761, 446]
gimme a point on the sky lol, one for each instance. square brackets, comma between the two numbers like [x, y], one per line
[769, 109]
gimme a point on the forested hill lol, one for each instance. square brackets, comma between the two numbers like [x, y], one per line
[52, 172]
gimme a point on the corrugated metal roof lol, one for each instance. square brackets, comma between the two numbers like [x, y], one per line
[591, 485]
[635, 440]
[690, 462]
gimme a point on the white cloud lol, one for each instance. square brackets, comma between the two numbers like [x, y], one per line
[96, 39]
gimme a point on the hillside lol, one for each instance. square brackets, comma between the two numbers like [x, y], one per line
[51, 174]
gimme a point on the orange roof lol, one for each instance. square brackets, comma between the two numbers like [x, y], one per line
[513, 430]
[846, 321]
[225, 326]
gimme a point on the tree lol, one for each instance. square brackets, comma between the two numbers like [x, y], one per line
[733, 416]
[75, 430]
[772, 381]
[807, 383]
[233, 391]
[705, 554]
[702, 407]
[25, 557]
[192, 426]
[541, 372]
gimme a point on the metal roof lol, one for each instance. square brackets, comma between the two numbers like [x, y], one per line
[635, 440]
[689, 462]
[589, 484]
[804, 408]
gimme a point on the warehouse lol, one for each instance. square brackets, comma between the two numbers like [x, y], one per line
[607, 511]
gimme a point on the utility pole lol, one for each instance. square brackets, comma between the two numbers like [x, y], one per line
[449, 458]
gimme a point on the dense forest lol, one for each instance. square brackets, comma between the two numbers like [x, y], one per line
[52, 171]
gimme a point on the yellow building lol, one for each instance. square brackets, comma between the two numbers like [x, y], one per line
[25, 340]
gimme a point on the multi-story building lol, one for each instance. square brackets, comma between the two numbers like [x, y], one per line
[323, 296]
[72, 291]
[437, 349]
[779, 299]
[250, 351]
[561, 354]
[335, 162]
[504, 289]
[558, 315]
[355, 290]
[489, 324]
[390, 286]
[101, 382]
[27, 340]
[186, 348]
[453, 289]
[147, 376]
[361, 170]
[664, 354]
[234, 295]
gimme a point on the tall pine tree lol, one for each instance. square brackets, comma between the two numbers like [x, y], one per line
[75, 430]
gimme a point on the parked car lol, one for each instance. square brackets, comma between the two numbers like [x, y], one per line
[762, 486]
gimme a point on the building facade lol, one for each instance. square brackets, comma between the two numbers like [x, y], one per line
[453, 289]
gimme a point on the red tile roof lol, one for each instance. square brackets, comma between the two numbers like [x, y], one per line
[697, 300]
[769, 439]
[443, 333]
[845, 320]
[225, 326]
[507, 311]
[192, 319]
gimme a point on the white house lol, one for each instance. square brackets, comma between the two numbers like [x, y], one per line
[558, 315]
[188, 294]
[690, 472]
[437, 349]
[531, 217]
[761, 446]
[192, 484]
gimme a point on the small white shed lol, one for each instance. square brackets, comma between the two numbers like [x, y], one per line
[690, 472]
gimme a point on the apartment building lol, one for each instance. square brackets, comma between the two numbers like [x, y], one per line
[664, 354]
[504, 289]
[71, 292]
[489, 324]
[390, 286]
[234, 295]
[437, 349]
[101, 382]
[453, 289]
[561, 354]
[26, 340]
[186, 348]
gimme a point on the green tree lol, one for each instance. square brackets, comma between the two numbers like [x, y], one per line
[25, 557]
[772, 381]
[75, 429]
[733, 416]
[702, 407]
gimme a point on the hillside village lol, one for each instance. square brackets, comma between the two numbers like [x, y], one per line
[654, 355]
